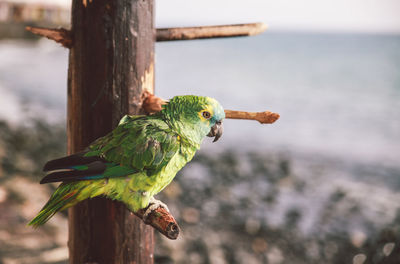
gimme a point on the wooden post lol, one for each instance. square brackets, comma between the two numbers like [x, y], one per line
[110, 67]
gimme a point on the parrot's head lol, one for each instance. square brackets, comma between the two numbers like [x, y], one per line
[195, 117]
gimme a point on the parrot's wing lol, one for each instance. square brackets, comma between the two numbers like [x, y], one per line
[145, 144]
[139, 145]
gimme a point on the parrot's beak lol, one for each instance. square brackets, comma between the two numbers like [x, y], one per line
[216, 131]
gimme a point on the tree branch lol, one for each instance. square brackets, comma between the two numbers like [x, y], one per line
[266, 117]
[152, 104]
[161, 220]
[60, 35]
[187, 33]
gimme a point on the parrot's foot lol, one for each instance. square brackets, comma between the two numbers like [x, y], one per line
[153, 205]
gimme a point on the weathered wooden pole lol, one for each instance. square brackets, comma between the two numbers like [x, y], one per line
[110, 66]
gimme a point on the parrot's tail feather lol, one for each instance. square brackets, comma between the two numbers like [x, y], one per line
[76, 172]
[41, 218]
[61, 199]
[68, 161]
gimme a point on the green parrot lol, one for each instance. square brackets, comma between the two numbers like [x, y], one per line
[135, 161]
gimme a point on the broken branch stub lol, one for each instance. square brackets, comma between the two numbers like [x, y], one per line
[161, 220]
[153, 104]
[59, 35]
[265, 117]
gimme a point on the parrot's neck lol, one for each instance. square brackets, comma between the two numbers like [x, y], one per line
[189, 132]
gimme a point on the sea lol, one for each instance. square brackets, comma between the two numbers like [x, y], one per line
[338, 96]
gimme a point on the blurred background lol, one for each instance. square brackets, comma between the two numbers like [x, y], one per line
[319, 186]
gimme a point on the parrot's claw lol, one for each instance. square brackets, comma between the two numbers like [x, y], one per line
[153, 205]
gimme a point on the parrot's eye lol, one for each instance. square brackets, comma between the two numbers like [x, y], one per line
[206, 115]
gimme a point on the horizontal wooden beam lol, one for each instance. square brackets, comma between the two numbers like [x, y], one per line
[188, 33]
[64, 36]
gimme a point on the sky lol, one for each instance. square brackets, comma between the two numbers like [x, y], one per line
[307, 15]
[314, 15]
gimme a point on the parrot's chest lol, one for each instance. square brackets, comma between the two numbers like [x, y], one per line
[167, 174]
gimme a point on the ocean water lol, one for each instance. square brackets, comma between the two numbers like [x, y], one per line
[337, 95]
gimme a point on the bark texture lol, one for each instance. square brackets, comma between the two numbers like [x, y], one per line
[110, 68]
